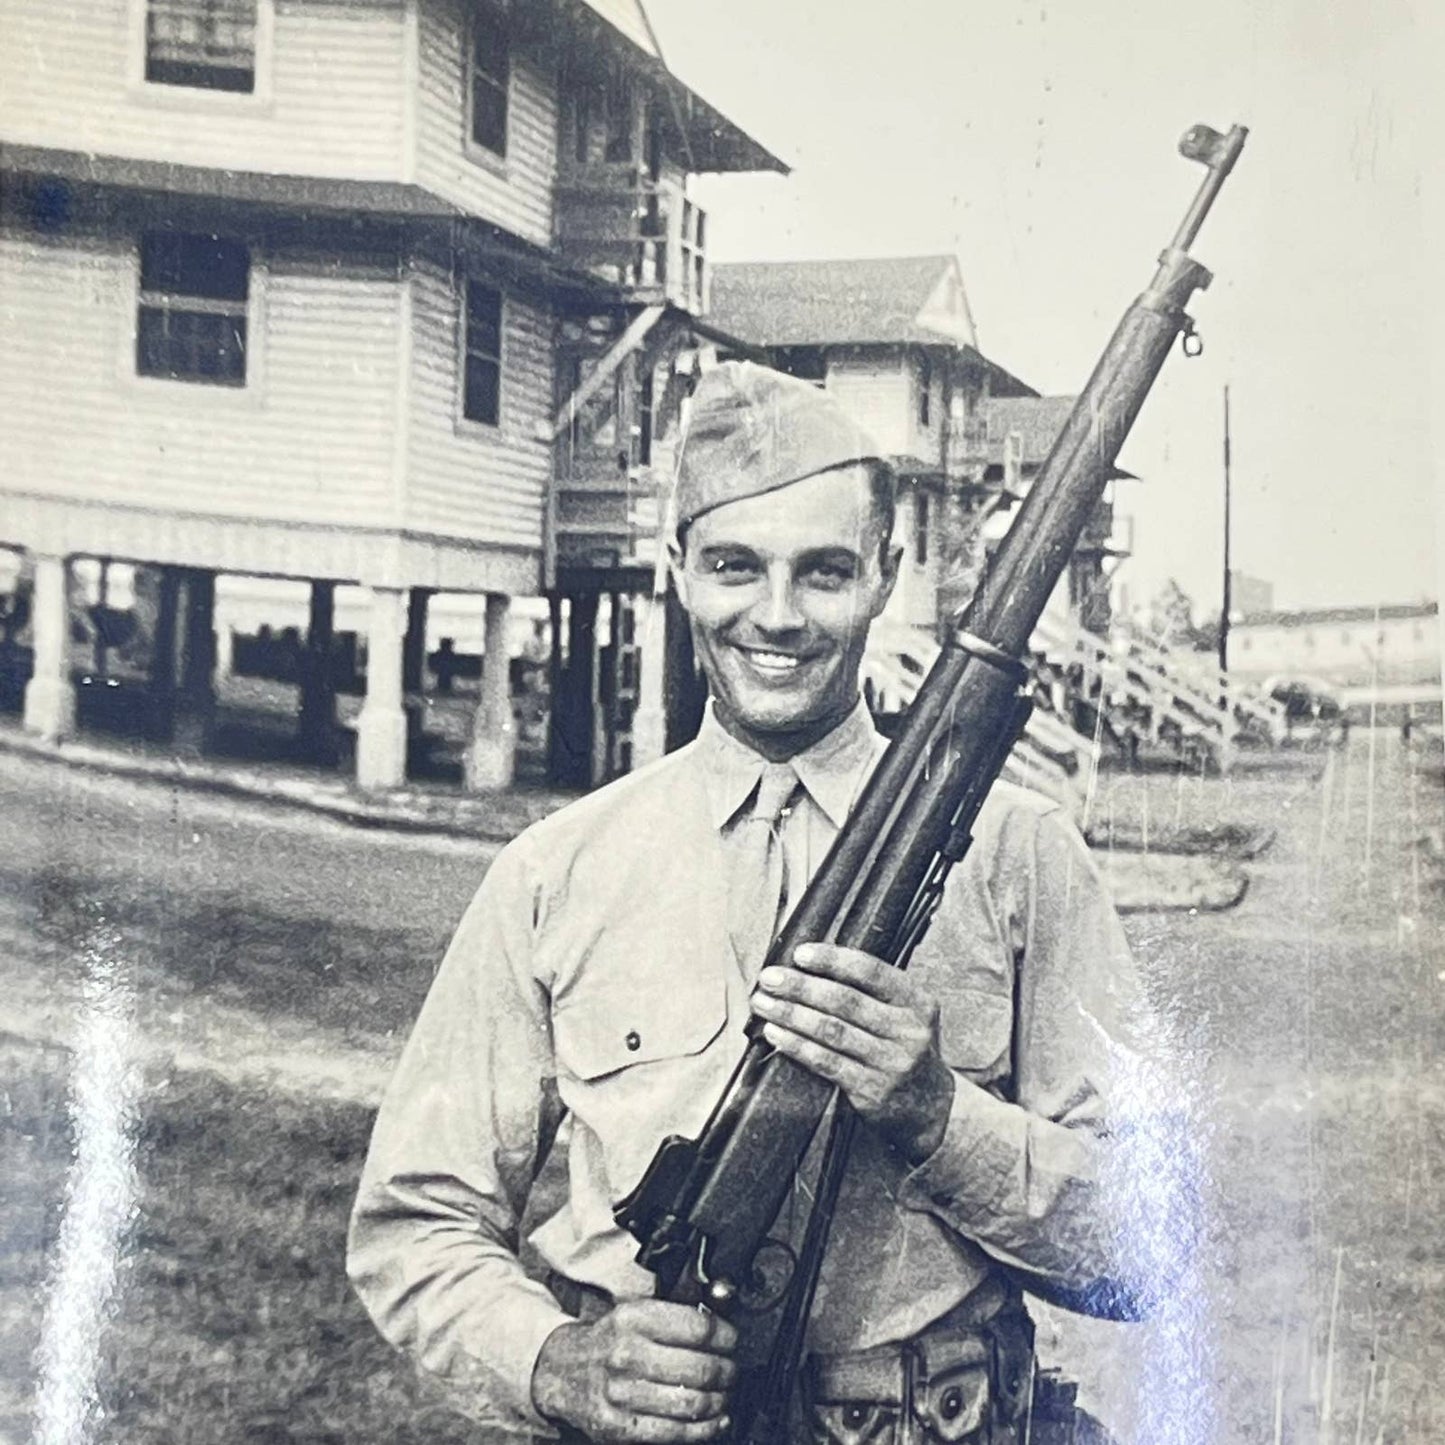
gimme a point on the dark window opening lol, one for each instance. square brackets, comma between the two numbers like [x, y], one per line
[920, 529]
[482, 380]
[619, 116]
[191, 324]
[204, 44]
[925, 390]
[491, 73]
[645, 406]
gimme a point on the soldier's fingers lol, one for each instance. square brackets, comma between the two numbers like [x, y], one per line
[833, 1033]
[665, 1402]
[836, 1068]
[851, 965]
[675, 1324]
[675, 1365]
[842, 1000]
[663, 1430]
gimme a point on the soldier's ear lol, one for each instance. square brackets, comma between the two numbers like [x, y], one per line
[888, 565]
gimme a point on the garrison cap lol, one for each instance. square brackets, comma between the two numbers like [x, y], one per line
[753, 430]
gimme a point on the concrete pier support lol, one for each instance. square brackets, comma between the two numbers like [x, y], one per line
[381, 726]
[649, 722]
[316, 721]
[196, 688]
[50, 695]
[161, 685]
[491, 751]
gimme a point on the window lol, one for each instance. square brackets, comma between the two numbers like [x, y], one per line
[920, 529]
[646, 403]
[925, 389]
[192, 319]
[619, 116]
[482, 379]
[491, 70]
[204, 44]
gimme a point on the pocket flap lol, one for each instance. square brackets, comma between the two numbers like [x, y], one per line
[601, 1030]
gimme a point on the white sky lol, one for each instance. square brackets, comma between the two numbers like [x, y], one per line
[1037, 143]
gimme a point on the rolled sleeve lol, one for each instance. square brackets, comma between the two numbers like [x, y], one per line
[433, 1247]
[1070, 1177]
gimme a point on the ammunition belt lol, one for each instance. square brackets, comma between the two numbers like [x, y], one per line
[964, 1380]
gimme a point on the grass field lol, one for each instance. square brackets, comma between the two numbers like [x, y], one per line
[1310, 1017]
[230, 1318]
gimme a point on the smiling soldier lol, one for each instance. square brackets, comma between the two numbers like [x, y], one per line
[595, 997]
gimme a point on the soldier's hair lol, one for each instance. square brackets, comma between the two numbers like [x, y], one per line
[883, 484]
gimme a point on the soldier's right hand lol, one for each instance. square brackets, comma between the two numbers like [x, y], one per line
[647, 1371]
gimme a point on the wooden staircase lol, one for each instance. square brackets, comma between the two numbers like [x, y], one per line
[1051, 758]
[1136, 693]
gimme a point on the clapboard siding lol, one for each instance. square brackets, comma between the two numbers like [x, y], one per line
[515, 193]
[311, 438]
[484, 484]
[878, 394]
[337, 102]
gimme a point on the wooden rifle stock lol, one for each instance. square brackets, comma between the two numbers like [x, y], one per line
[702, 1210]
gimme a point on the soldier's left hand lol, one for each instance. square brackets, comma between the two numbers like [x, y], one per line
[856, 1022]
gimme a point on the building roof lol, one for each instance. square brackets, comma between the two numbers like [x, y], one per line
[710, 140]
[1037, 421]
[1326, 615]
[61, 181]
[838, 303]
[629, 19]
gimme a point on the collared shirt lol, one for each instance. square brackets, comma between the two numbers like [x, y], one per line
[590, 1005]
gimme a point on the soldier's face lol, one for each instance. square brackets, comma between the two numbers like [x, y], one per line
[781, 590]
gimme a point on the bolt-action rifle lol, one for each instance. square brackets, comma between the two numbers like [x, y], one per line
[703, 1209]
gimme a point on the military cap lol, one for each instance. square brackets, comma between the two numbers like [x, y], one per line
[753, 430]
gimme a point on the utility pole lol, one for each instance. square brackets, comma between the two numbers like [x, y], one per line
[1225, 600]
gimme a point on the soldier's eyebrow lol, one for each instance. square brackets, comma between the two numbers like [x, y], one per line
[716, 552]
[830, 557]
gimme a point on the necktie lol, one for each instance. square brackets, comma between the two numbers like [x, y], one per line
[757, 883]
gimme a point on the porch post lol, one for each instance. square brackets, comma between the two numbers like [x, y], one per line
[491, 752]
[381, 726]
[50, 695]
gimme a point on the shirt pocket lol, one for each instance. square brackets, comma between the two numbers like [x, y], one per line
[606, 1028]
[636, 1063]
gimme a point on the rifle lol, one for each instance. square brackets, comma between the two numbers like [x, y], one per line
[704, 1206]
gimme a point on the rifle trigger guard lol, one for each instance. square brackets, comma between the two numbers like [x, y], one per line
[1190, 341]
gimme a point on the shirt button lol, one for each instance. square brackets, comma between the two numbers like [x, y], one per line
[633, 1041]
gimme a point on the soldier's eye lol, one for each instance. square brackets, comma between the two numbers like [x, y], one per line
[733, 567]
[830, 573]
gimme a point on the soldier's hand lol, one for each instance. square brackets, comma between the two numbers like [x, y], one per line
[647, 1371]
[856, 1022]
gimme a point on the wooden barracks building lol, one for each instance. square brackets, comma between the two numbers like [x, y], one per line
[398, 293]
[894, 340]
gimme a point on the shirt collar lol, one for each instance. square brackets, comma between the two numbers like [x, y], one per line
[832, 771]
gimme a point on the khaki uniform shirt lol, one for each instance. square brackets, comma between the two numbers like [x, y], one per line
[590, 1004]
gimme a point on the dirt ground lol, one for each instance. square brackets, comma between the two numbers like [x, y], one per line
[177, 1155]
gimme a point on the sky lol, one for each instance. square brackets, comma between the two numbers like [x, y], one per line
[1037, 143]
